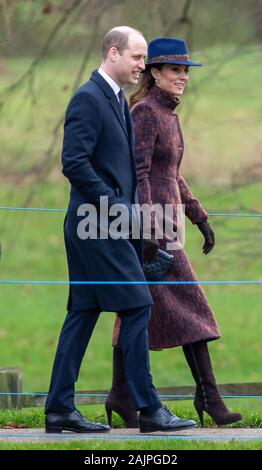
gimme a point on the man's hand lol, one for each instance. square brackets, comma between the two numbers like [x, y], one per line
[208, 234]
[150, 250]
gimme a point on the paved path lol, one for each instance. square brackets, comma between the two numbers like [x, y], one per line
[214, 434]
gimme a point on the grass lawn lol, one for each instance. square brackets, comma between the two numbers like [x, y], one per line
[136, 444]
[34, 417]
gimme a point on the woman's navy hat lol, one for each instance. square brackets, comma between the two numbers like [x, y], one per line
[169, 51]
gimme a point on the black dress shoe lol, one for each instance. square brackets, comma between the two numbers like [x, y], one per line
[73, 421]
[164, 420]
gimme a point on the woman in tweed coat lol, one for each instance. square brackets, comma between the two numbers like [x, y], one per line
[181, 315]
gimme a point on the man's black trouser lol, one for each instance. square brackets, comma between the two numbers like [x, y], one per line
[74, 338]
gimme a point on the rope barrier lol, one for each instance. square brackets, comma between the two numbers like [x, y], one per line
[33, 209]
[39, 282]
[7, 281]
[46, 209]
[234, 215]
[105, 395]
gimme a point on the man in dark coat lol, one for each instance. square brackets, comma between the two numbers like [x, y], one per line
[98, 161]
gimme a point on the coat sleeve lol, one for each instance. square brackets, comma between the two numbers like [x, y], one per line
[193, 209]
[145, 129]
[81, 132]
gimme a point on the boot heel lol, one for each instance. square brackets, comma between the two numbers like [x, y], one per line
[109, 415]
[52, 430]
[200, 413]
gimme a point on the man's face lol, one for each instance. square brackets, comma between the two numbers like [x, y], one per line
[129, 65]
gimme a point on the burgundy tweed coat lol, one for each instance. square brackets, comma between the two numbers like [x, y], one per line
[181, 313]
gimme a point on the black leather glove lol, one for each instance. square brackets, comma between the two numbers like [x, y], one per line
[208, 234]
[150, 248]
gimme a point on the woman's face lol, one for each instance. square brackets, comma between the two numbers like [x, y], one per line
[171, 78]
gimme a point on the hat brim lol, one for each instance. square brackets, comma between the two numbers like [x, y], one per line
[182, 62]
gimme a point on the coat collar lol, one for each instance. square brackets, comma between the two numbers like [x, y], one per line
[96, 77]
[128, 126]
[110, 94]
[110, 81]
[163, 99]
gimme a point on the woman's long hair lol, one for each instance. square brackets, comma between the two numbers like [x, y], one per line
[146, 82]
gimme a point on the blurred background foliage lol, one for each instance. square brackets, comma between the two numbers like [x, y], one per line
[48, 48]
[25, 24]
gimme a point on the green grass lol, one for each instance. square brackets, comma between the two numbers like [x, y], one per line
[138, 444]
[34, 417]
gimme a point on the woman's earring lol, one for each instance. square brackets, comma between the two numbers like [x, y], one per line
[157, 81]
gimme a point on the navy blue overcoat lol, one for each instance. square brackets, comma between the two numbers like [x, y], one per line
[98, 160]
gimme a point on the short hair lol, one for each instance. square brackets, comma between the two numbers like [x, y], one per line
[117, 37]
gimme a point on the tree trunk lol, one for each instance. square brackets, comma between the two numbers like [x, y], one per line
[258, 20]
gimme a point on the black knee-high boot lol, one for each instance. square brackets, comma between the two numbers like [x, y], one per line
[207, 397]
[119, 399]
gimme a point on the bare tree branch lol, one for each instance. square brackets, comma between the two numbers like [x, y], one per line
[8, 90]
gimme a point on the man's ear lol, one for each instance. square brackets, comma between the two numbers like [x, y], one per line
[113, 54]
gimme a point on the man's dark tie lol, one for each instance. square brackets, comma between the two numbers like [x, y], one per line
[121, 98]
